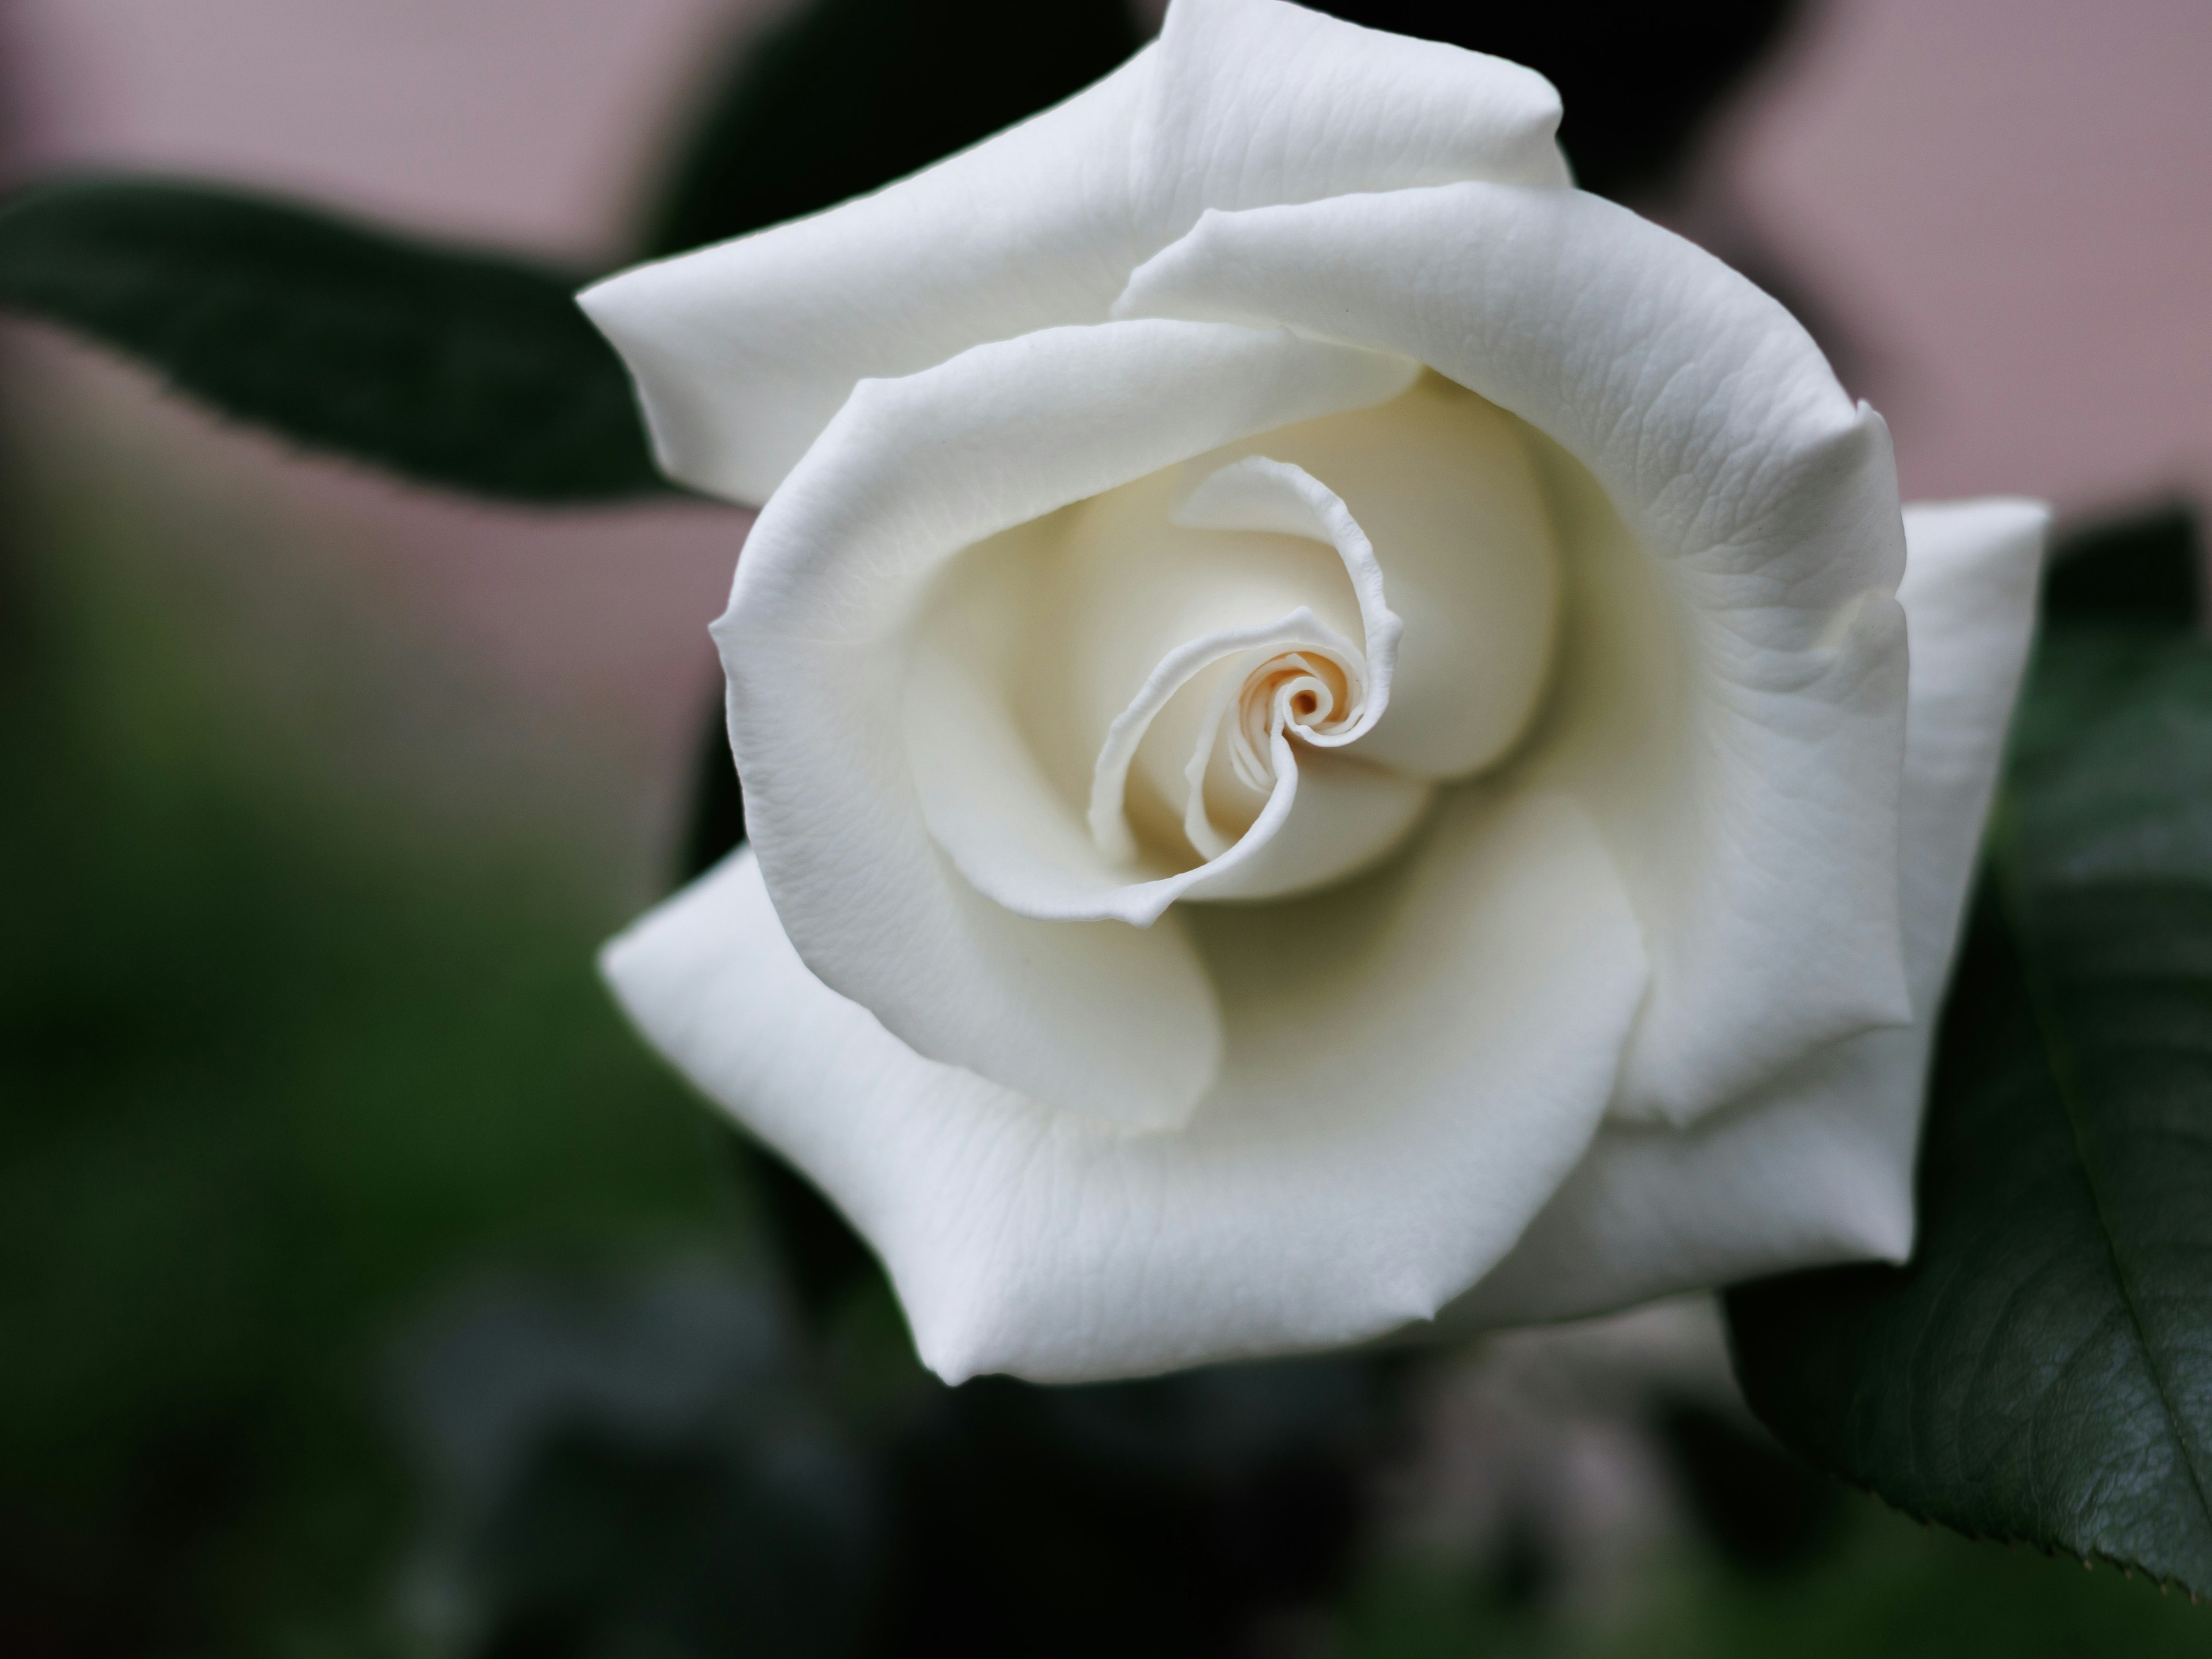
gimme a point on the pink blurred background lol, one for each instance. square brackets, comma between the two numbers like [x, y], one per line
[2004, 207]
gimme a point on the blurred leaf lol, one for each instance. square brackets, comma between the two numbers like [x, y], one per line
[2042, 1370]
[471, 370]
[717, 805]
[1640, 82]
[848, 94]
[2146, 569]
[824, 1261]
[1762, 1508]
[279, 1054]
[633, 1469]
[1173, 1515]
[1882, 1586]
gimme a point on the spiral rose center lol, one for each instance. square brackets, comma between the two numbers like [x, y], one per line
[1205, 665]
[1297, 692]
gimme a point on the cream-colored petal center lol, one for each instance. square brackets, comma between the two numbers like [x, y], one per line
[1190, 686]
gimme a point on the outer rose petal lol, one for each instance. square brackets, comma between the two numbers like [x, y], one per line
[1763, 855]
[1415, 1062]
[1096, 1017]
[742, 351]
[1817, 1167]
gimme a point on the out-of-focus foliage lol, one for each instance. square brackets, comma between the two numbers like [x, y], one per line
[845, 95]
[848, 94]
[2042, 1370]
[1884, 1588]
[1172, 1516]
[2143, 570]
[1640, 82]
[469, 370]
[1179, 1515]
[636, 1466]
[272, 1069]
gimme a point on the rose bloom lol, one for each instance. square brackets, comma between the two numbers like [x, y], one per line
[1335, 733]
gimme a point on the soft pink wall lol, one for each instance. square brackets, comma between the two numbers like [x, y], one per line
[2011, 201]
[527, 121]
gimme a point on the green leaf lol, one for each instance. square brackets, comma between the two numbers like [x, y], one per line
[1640, 83]
[2042, 1370]
[2145, 569]
[849, 95]
[471, 370]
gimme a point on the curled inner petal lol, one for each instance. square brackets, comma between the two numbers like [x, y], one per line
[1295, 678]
[1258, 492]
[1294, 692]
[1110, 824]
[1186, 687]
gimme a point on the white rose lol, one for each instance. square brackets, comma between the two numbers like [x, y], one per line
[1325, 721]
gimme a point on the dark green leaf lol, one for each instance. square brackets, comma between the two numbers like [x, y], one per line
[849, 95]
[456, 367]
[1641, 83]
[717, 805]
[2042, 1370]
[2144, 570]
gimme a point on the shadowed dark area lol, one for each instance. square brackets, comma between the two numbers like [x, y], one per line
[848, 94]
[2141, 568]
[1765, 1509]
[1639, 81]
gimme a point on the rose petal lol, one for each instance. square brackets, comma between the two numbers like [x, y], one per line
[988, 800]
[742, 351]
[1262, 493]
[1339, 817]
[1227, 659]
[1253, 102]
[1120, 588]
[1270, 497]
[1763, 857]
[1095, 1017]
[1413, 1065]
[1443, 486]
[1817, 1167]
[1019, 842]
